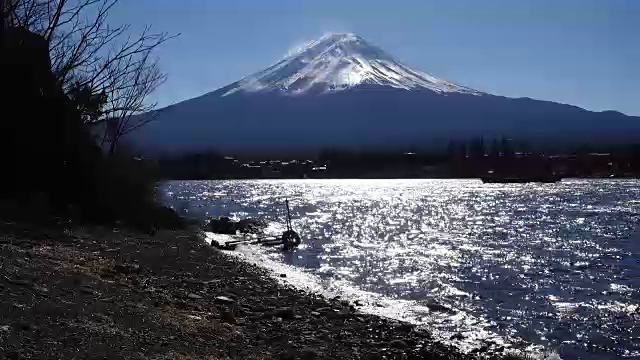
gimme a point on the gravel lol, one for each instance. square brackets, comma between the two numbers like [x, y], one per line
[96, 293]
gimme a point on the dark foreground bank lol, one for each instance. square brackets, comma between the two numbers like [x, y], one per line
[97, 293]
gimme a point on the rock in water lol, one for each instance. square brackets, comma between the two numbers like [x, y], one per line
[251, 226]
[224, 225]
[434, 306]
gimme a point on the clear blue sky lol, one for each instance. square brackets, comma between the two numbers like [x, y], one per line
[582, 52]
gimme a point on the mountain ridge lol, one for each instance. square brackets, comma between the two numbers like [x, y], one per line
[305, 102]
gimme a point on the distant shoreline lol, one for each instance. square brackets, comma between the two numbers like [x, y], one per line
[636, 177]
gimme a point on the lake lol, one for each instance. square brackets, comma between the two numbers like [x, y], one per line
[532, 265]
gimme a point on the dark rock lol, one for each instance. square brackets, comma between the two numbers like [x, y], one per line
[127, 268]
[18, 282]
[283, 275]
[373, 356]
[398, 344]
[287, 356]
[433, 306]
[285, 313]
[422, 333]
[227, 317]
[87, 290]
[41, 289]
[224, 225]
[405, 327]
[410, 342]
[180, 304]
[194, 296]
[266, 315]
[308, 354]
[243, 312]
[251, 226]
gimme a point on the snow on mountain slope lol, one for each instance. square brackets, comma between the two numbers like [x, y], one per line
[337, 62]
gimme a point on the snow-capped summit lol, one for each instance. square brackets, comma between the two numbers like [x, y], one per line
[336, 62]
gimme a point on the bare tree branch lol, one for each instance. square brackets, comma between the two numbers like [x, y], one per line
[104, 65]
[127, 99]
[55, 21]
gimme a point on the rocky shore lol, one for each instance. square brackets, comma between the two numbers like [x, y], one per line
[102, 293]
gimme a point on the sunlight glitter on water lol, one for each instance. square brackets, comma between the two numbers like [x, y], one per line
[554, 264]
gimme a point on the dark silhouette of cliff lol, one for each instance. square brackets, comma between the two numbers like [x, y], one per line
[50, 163]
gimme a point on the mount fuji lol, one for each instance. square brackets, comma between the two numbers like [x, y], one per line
[341, 91]
[336, 62]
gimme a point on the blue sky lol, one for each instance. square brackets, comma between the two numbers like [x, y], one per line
[581, 52]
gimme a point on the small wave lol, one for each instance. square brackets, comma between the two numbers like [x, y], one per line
[212, 194]
[621, 289]
[447, 323]
[507, 246]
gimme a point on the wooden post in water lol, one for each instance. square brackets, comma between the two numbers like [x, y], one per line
[286, 202]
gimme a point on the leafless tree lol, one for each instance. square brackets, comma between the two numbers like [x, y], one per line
[126, 102]
[89, 54]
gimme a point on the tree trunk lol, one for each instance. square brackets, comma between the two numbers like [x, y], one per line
[112, 147]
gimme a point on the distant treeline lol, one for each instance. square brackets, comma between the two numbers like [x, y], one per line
[469, 158]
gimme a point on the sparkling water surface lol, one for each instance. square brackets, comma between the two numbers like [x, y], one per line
[554, 265]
